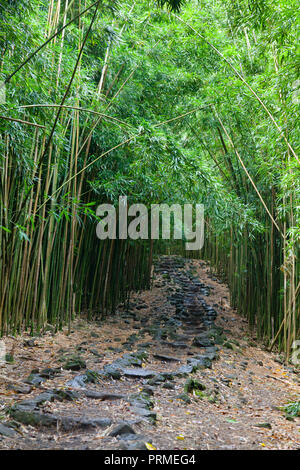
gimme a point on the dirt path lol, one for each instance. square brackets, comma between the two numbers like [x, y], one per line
[177, 369]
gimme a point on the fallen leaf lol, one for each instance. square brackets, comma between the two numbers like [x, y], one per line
[150, 446]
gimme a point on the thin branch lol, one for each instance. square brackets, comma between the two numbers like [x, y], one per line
[9, 77]
[182, 115]
[69, 85]
[98, 158]
[40, 161]
[76, 108]
[84, 168]
[22, 122]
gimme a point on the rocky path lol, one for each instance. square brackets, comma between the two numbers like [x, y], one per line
[177, 368]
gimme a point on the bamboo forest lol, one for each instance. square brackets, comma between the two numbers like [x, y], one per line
[149, 227]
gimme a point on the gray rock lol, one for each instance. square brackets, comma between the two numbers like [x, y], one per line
[157, 379]
[102, 395]
[134, 437]
[7, 431]
[169, 386]
[20, 388]
[112, 370]
[33, 418]
[211, 349]
[176, 345]
[138, 445]
[68, 395]
[74, 363]
[211, 356]
[141, 400]
[185, 370]
[81, 380]
[144, 413]
[95, 352]
[139, 373]
[76, 382]
[31, 405]
[202, 341]
[45, 396]
[199, 362]
[49, 373]
[70, 423]
[148, 390]
[128, 361]
[34, 379]
[162, 357]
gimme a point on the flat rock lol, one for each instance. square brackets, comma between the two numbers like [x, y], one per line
[148, 390]
[141, 400]
[184, 370]
[50, 372]
[34, 379]
[143, 412]
[102, 395]
[199, 362]
[157, 379]
[69, 423]
[134, 437]
[202, 341]
[68, 395]
[169, 386]
[121, 429]
[31, 405]
[20, 388]
[176, 345]
[139, 373]
[76, 382]
[162, 357]
[137, 445]
[112, 370]
[74, 363]
[33, 418]
[81, 380]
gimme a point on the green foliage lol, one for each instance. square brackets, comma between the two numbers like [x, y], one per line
[153, 79]
[292, 409]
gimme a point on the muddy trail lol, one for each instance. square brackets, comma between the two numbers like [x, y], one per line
[176, 368]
